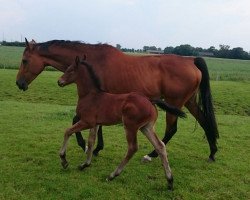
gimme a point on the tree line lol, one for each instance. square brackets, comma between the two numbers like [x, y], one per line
[224, 51]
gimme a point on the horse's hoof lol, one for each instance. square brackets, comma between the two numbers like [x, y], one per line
[211, 159]
[146, 159]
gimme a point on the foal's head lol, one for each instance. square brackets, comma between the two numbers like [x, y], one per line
[70, 75]
[84, 71]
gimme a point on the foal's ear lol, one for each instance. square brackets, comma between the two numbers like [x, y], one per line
[84, 57]
[77, 61]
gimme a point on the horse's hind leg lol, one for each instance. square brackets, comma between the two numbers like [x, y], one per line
[161, 150]
[194, 109]
[132, 148]
[171, 129]
[80, 141]
[91, 142]
[100, 143]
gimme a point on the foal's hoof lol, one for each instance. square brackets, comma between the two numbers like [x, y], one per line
[171, 184]
[65, 164]
[83, 166]
[170, 187]
[146, 159]
[110, 178]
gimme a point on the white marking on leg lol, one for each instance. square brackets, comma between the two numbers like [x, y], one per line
[146, 158]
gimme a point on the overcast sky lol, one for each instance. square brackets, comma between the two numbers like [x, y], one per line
[130, 23]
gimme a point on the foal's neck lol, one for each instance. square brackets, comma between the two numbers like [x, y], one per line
[85, 85]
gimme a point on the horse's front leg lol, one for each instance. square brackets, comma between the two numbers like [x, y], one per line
[80, 141]
[100, 143]
[91, 142]
[75, 128]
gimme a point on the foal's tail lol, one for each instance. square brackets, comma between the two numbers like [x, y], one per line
[205, 101]
[168, 108]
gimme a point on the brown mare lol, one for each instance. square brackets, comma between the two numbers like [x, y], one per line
[177, 79]
[96, 107]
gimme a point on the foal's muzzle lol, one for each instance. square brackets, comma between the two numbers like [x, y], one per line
[22, 84]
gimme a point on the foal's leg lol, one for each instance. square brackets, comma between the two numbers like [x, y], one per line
[132, 148]
[161, 150]
[91, 142]
[75, 128]
[171, 129]
[100, 143]
[80, 141]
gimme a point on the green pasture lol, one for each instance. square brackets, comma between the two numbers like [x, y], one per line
[32, 124]
[220, 69]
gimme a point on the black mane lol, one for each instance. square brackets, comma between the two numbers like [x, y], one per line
[44, 46]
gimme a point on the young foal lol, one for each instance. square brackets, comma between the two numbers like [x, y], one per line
[96, 107]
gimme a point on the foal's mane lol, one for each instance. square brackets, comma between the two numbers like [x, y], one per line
[94, 78]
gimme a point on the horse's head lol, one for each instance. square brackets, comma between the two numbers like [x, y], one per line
[70, 75]
[31, 66]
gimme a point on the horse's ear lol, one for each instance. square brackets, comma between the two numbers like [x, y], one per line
[33, 41]
[27, 43]
[30, 45]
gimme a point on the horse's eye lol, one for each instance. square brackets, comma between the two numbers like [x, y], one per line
[24, 62]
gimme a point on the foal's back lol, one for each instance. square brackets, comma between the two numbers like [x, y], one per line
[109, 109]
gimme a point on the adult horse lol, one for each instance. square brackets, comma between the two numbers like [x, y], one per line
[175, 78]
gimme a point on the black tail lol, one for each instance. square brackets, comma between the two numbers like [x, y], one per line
[168, 108]
[205, 101]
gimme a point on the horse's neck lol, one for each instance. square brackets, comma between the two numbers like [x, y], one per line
[59, 59]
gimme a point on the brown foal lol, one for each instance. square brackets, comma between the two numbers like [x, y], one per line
[135, 111]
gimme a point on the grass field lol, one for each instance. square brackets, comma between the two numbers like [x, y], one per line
[32, 125]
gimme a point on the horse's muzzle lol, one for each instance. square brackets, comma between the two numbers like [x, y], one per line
[60, 83]
[22, 85]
